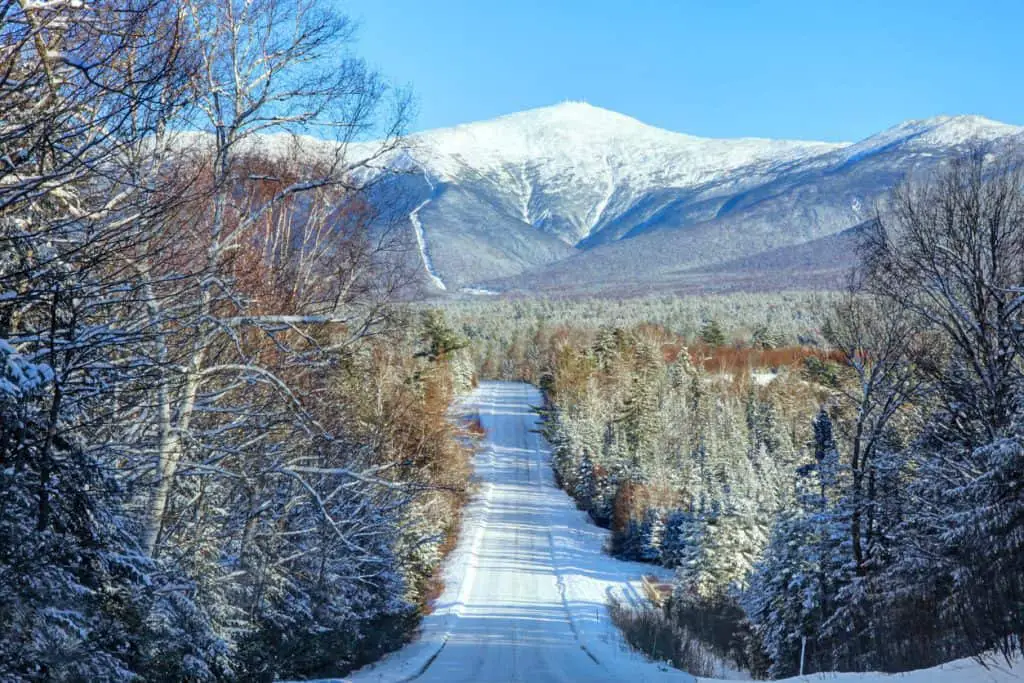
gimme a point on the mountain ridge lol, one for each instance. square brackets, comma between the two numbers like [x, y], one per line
[575, 197]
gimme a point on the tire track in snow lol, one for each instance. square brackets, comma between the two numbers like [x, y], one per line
[536, 461]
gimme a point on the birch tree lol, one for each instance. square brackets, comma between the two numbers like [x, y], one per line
[84, 89]
[266, 71]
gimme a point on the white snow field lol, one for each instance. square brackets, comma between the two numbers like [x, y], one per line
[527, 586]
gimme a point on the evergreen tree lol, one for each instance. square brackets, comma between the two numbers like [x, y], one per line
[585, 490]
[629, 541]
[641, 411]
[763, 338]
[606, 487]
[680, 534]
[605, 348]
[79, 599]
[711, 333]
[689, 549]
[652, 531]
[826, 455]
[795, 587]
[439, 338]
[783, 600]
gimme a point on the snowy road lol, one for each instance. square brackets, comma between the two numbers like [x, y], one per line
[527, 586]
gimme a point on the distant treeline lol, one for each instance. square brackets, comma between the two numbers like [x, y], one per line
[509, 336]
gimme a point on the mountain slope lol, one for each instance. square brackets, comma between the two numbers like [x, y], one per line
[577, 199]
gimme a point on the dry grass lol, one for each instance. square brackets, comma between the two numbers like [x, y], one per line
[649, 631]
[740, 360]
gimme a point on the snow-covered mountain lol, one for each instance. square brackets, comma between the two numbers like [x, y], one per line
[577, 198]
[572, 169]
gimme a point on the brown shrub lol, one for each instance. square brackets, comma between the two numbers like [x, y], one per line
[738, 360]
[647, 630]
[475, 427]
[632, 500]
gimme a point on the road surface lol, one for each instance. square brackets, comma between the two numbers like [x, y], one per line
[527, 587]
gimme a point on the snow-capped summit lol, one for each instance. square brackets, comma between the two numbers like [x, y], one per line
[572, 167]
[939, 132]
[958, 130]
[582, 134]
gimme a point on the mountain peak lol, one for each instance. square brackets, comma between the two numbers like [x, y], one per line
[574, 111]
[573, 121]
[591, 163]
[527, 190]
[959, 129]
[579, 134]
[938, 131]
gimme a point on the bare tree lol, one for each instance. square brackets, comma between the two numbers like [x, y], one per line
[950, 253]
[84, 90]
[268, 70]
[883, 352]
[950, 257]
[184, 273]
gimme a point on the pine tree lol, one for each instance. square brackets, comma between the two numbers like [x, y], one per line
[606, 487]
[605, 348]
[689, 551]
[796, 586]
[585, 489]
[652, 531]
[711, 333]
[80, 600]
[628, 542]
[763, 338]
[783, 599]
[675, 538]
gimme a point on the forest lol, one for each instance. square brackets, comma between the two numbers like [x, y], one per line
[227, 450]
[224, 445]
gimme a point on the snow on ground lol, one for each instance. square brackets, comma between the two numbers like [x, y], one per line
[421, 238]
[527, 587]
[960, 671]
[763, 377]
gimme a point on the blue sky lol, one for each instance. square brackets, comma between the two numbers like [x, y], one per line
[808, 69]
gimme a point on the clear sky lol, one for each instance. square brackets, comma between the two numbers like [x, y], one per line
[807, 69]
